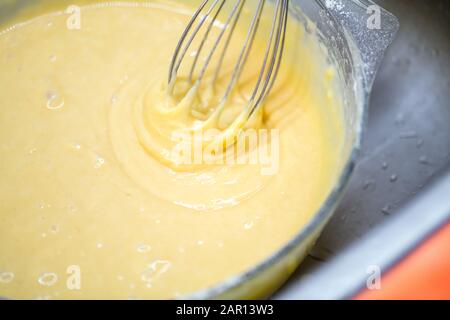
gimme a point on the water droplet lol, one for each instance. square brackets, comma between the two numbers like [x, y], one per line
[124, 79]
[72, 207]
[400, 119]
[248, 225]
[32, 151]
[157, 221]
[43, 205]
[408, 135]
[99, 245]
[52, 58]
[76, 146]
[48, 279]
[423, 160]
[393, 178]
[220, 244]
[120, 278]
[369, 185]
[419, 143]
[6, 277]
[143, 248]
[155, 270]
[54, 100]
[386, 210]
[54, 228]
[200, 242]
[99, 162]
[114, 99]
[384, 165]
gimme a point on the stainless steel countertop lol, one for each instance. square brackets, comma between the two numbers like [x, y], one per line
[406, 147]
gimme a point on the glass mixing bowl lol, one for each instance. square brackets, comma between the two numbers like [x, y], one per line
[356, 34]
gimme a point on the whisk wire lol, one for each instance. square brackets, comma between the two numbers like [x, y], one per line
[276, 56]
[245, 50]
[228, 41]
[205, 37]
[235, 13]
[177, 58]
[270, 63]
[268, 50]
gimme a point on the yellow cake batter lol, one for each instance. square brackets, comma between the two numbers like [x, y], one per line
[87, 185]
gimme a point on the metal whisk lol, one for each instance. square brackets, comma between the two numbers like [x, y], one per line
[206, 16]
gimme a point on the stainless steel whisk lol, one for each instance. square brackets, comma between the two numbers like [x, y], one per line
[206, 17]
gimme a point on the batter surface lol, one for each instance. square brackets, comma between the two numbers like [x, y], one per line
[86, 181]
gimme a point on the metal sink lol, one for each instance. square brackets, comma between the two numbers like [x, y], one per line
[405, 165]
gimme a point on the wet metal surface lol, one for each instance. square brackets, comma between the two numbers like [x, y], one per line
[407, 142]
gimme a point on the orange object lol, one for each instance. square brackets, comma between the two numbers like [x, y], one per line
[423, 274]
